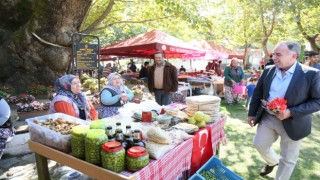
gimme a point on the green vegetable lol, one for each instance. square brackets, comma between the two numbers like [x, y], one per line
[207, 175]
[114, 161]
[93, 142]
[137, 163]
[78, 141]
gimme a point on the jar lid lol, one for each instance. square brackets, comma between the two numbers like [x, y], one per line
[128, 126]
[112, 146]
[80, 129]
[118, 123]
[109, 127]
[137, 151]
[136, 130]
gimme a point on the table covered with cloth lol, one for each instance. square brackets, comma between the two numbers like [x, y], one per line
[179, 163]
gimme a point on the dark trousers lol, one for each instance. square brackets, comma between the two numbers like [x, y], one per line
[162, 97]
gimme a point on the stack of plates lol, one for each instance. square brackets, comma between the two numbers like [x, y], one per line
[207, 104]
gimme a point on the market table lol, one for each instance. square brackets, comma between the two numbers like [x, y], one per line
[173, 165]
[179, 163]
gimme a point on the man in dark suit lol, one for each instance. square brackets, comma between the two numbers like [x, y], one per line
[300, 86]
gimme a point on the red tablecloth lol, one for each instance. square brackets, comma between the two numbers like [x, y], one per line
[205, 143]
[182, 161]
[173, 165]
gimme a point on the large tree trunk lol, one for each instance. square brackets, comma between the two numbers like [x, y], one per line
[38, 51]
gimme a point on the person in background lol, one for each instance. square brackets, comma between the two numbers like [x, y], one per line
[71, 100]
[300, 86]
[313, 60]
[270, 61]
[211, 66]
[182, 69]
[233, 75]
[218, 69]
[6, 130]
[107, 70]
[162, 80]
[143, 74]
[133, 67]
[249, 89]
[262, 64]
[113, 96]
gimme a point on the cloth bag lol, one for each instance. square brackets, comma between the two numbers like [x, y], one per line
[238, 89]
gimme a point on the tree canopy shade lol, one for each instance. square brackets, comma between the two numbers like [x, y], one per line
[145, 45]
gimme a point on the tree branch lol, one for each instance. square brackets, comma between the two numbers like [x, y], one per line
[121, 22]
[272, 23]
[100, 19]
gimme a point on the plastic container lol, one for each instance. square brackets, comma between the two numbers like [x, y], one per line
[78, 137]
[113, 156]
[215, 168]
[196, 177]
[49, 137]
[93, 144]
[137, 158]
[98, 124]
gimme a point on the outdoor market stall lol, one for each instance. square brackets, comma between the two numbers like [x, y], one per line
[180, 162]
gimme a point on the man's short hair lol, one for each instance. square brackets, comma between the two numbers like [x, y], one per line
[312, 53]
[146, 63]
[294, 46]
[159, 52]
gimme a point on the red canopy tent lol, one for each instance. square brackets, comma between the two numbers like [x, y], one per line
[145, 45]
[215, 51]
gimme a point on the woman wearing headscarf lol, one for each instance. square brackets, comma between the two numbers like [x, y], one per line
[71, 100]
[113, 96]
[6, 129]
[233, 75]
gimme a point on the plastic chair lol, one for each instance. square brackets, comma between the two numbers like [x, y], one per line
[183, 86]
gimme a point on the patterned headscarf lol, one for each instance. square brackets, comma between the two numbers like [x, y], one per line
[63, 87]
[120, 89]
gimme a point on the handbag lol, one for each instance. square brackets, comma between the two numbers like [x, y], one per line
[238, 89]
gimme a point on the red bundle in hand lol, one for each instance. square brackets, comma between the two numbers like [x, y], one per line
[277, 105]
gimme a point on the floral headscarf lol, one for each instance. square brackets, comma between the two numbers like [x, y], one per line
[120, 89]
[63, 87]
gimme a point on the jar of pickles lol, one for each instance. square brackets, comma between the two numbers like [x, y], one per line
[113, 156]
[78, 140]
[93, 143]
[98, 124]
[137, 158]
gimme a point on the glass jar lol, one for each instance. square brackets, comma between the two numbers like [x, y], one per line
[93, 144]
[78, 140]
[113, 156]
[128, 137]
[110, 134]
[98, 124]
[137, 139]
[137, 158]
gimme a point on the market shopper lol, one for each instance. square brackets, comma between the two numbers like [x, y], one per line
[313, 60]
[113, 96]
[300, 86]
[162, 79]
[234, 75]
[71, 100]
[6, 129]
[143, 74]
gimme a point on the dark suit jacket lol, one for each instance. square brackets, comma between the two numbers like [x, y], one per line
[303, 98]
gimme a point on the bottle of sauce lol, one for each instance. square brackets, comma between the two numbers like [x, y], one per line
[128, 136]
[137, 139]
[118, 127]
[120, 138]
[110, 134]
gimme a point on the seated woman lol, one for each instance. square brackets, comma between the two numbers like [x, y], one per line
[113, 96]
[6, 129]
[71, 100]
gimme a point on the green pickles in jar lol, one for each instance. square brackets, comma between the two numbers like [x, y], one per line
[113, 156]
[137, 158]
[93, 143]
[78, 141]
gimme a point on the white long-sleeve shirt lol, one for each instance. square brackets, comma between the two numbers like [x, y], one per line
[5, 111]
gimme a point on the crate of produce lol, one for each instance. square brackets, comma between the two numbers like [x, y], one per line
[54, 130]
[214, 169]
